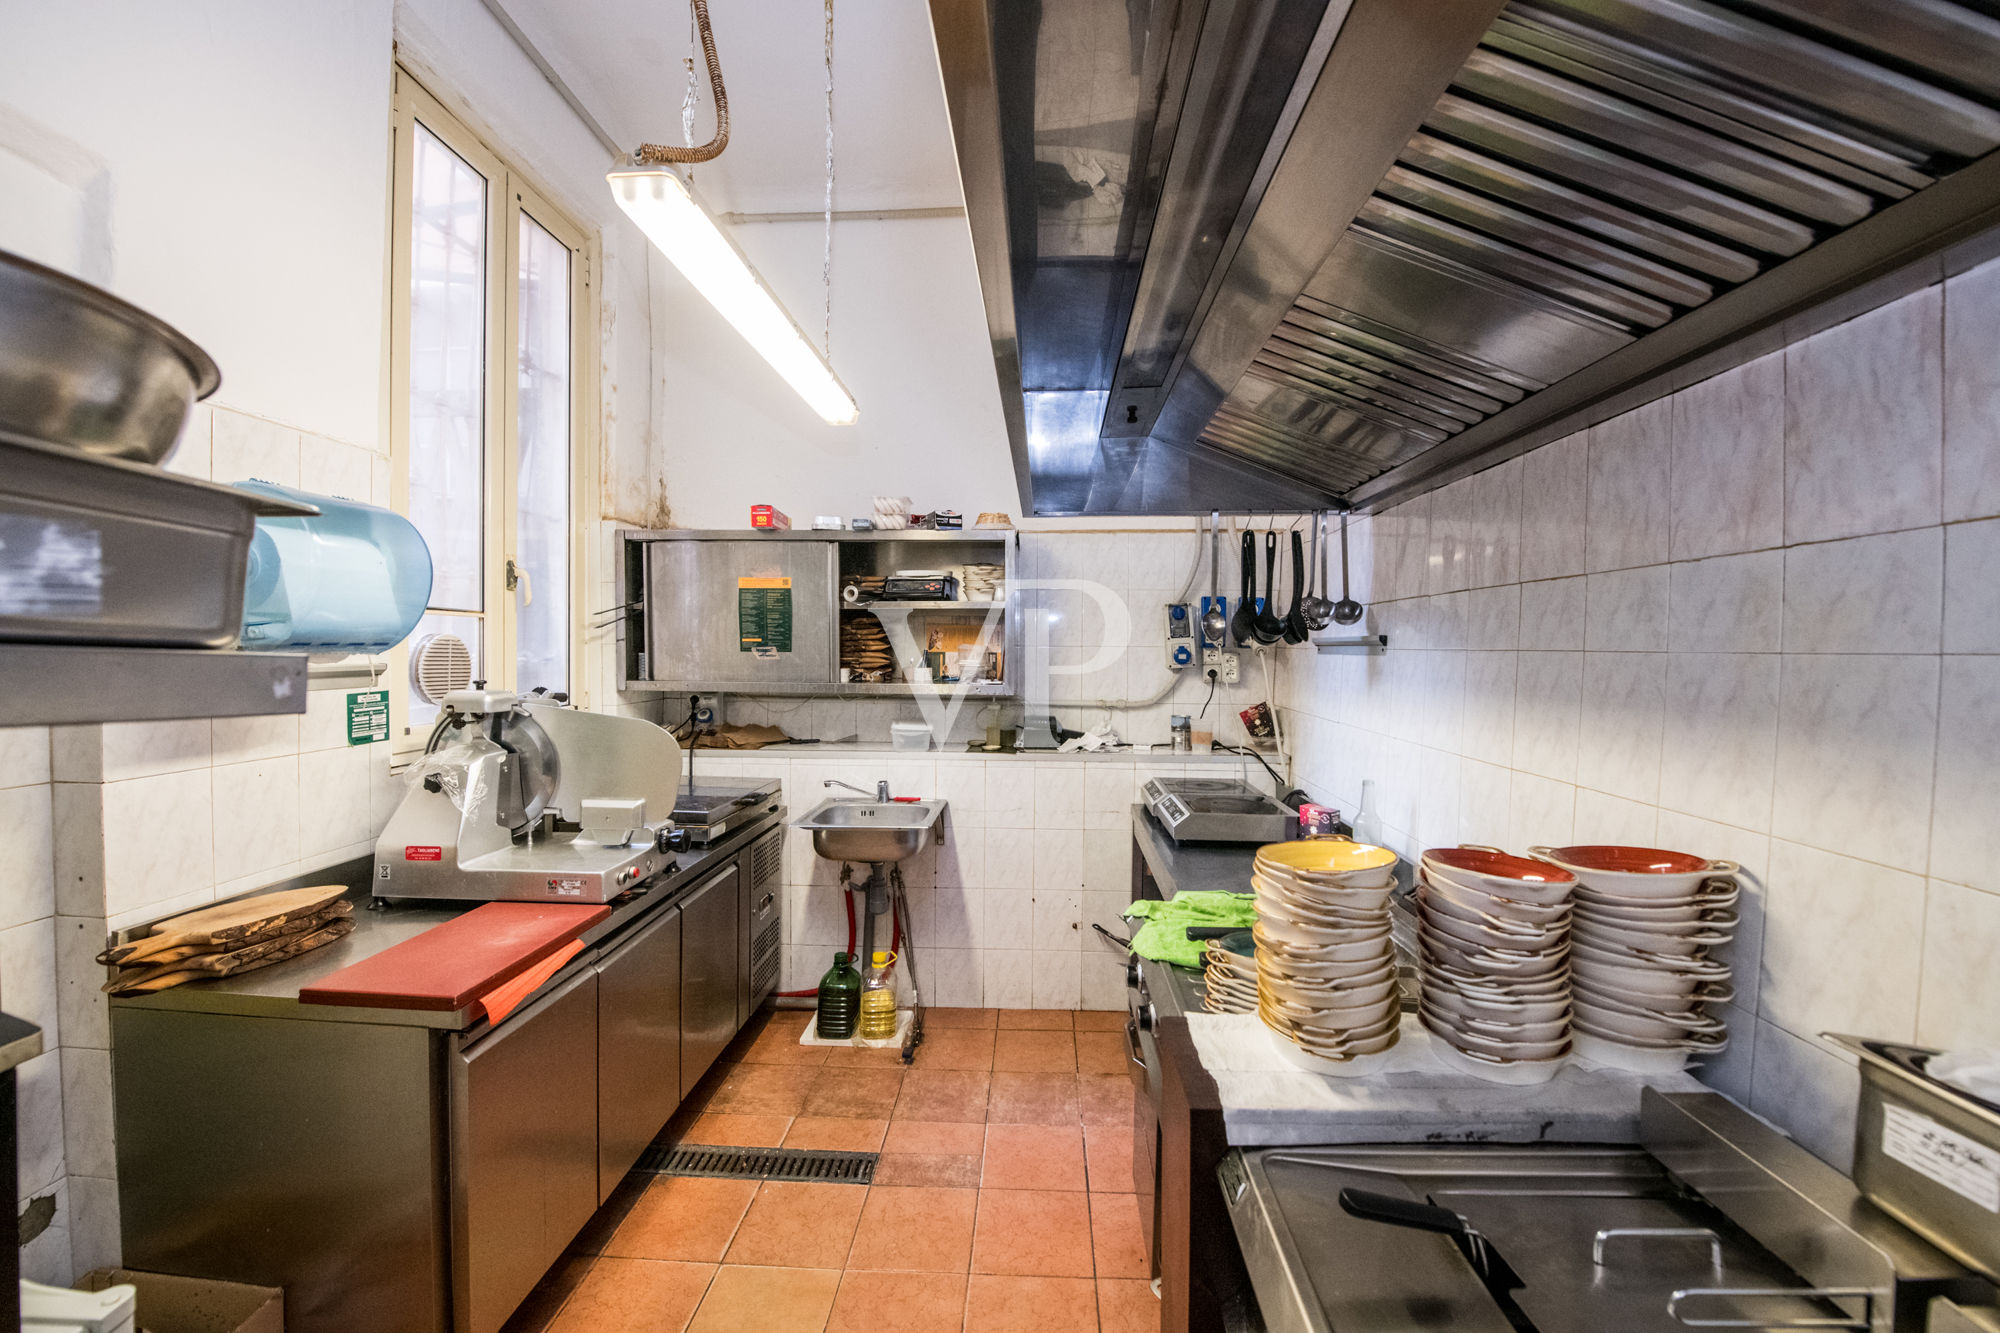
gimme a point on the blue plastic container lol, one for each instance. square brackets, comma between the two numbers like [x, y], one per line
[353, 579]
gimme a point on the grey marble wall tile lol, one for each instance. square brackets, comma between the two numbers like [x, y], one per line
[94, 1235]
[1542, 813]
[1960, 1004]
[1856, 736]
[89, 1145]
[1863, 423]
[1843, 944]
[1496, 526]
[1729, 461]
[1720, 752]
[1402, 550]
[80, 1000]
[1809, 1091]
[27, 854]
[1555, 489]
[1881, 594]
[1965, 822]
[1972, 393]
[1552, 614]
[1602, 818]
[1485, 801]
[1630, 466]
[1448, 559]
[1493, 617]
[1730, 1072]
[24, 755]
[1625, 611]
[1548, 710]
[1972, 586]
[1730, 604]
[1624, 703]
[1489, 707]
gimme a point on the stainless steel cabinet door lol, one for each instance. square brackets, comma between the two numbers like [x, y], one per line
[711, 961]
[523, 1151]
[638, 1045]
[764, 878]
[706, 599]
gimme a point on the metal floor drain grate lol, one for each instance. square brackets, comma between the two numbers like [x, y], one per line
[819, 1164]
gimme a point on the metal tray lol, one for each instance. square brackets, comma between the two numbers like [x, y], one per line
[83, 369]
[1927, 1153]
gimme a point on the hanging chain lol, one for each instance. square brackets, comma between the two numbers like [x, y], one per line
[826, 263]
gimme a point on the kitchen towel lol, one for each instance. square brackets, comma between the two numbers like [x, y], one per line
[1164, 936]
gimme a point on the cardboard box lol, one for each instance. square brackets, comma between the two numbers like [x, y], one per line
[170, 1304]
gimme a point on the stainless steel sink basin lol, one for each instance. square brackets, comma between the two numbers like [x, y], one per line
[857, 830]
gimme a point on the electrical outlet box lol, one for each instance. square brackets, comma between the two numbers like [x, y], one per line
[708, 710]
[1181, 651]
[1226, 666]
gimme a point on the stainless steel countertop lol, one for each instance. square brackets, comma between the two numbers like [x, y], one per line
[273, 992]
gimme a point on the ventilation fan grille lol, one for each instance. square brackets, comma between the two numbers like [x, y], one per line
[441, 663]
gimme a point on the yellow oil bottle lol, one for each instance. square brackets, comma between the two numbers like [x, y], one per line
[878, 999]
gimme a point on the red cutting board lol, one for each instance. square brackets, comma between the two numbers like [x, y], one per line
[449, 966]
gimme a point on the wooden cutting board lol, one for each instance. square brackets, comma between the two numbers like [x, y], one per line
[227, 922]
[295, 926]
[144, 980]
[449, 966]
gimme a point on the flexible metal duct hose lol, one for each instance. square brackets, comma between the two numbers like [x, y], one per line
[653, 154]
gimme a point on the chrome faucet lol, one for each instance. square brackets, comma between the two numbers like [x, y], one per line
[881, 788]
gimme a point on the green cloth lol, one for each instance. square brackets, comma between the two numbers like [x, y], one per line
[1164, 936]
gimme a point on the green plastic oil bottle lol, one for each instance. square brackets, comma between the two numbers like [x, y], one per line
[839, 999]
[878, 999]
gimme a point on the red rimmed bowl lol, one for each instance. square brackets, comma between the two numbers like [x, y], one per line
[1489, 870]
[1636, 872]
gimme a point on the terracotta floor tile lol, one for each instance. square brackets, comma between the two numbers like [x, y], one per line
[634, 1293]
[611, 1214]
[943, 1170]
[915, 1230]
[1105, 1099]
[738, 1131]
[1115, 1237]
[1034, 1052]
[837, 1133]
[1127, 1305]
[683, 1217]
[793, 1021]
[1030, 1305]
[798, 1224]
[1108, 1150]
[869, 1094]
[778, 1046]
[943, 1094]
[1033, 1157]
[1033, 1099]
[763, 1090]
[768, 1300]
[899, 1303]
[1100, 1020]
[956, 1048]
[538, 1309]
[1036, 1020]
[864, 1057]
[1101, 1052]
[1032, 1233]
[959, 1018]
[927, 1136]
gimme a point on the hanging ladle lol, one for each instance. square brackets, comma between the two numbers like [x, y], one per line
[1317, 610]
[1213, 623]
[1345, 611]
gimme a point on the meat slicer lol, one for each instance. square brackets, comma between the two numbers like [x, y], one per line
[526, 799]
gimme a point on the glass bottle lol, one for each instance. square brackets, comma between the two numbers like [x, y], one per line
[839, 999]
[1367, 824]
[878, 999]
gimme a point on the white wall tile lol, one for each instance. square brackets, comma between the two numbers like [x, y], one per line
[1007, 919]
[1626, 610]
[1843, 944]
[961, 860]
[89, 1146]
[1059, 859]
[38, 1097]
[962, 784]
[1486, 802]
[1863, 423]
[236, 739]
[94, 1235]
[334, 809]
[1855, 742]
[1555, 482]
[1729, 461]
[1965, 833]
[1489, 706]
[1010, 795]
[1058, 795]
[28, 976]
[1720, 751]
[27, 855]
[256, 816]
[176, 858]
[1752, 853]
[1548, 714]
[1627, 510]
[1807, 1090]
[1058, 979]
[80, 1003]
[1960, 1003]
[1613, 819]
[1543, 813]
[328, 467]
[1058, 920]
[1971, 578]
[1009, 978]
[1552, 615]
[1448, 558]
[1972, 393]
[244, 447]
[1866, 594]
[1730, 1073]
[1493, 618]
[1495, 528]
[1624, 701]
[1731, 604]
[24, 756]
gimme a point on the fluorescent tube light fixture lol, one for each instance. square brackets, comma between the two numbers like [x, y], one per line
[660, 204]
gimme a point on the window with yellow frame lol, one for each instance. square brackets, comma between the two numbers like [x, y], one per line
[491, 369]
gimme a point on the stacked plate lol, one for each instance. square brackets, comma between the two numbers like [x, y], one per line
[984, 583]
[1646, 920]
[1493, 935]
[1229, 974]
[1326, 969]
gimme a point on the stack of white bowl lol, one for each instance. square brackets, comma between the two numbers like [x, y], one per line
[1326, 968]
[1646, 920]
[1493, 932]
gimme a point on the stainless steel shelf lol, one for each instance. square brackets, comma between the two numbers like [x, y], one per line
[42, 684]
[962, 607]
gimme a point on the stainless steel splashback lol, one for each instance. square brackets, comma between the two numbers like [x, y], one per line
[1347, 250]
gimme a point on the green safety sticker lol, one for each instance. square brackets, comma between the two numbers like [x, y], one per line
[367, 716]
[764, 616]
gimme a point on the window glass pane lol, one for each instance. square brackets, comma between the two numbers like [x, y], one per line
[448, 367]
[542, 520]
[463, 628]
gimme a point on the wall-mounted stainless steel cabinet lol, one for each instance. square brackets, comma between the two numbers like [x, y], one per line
[739, 612]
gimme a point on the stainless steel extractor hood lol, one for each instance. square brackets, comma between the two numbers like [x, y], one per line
[1272, 253]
